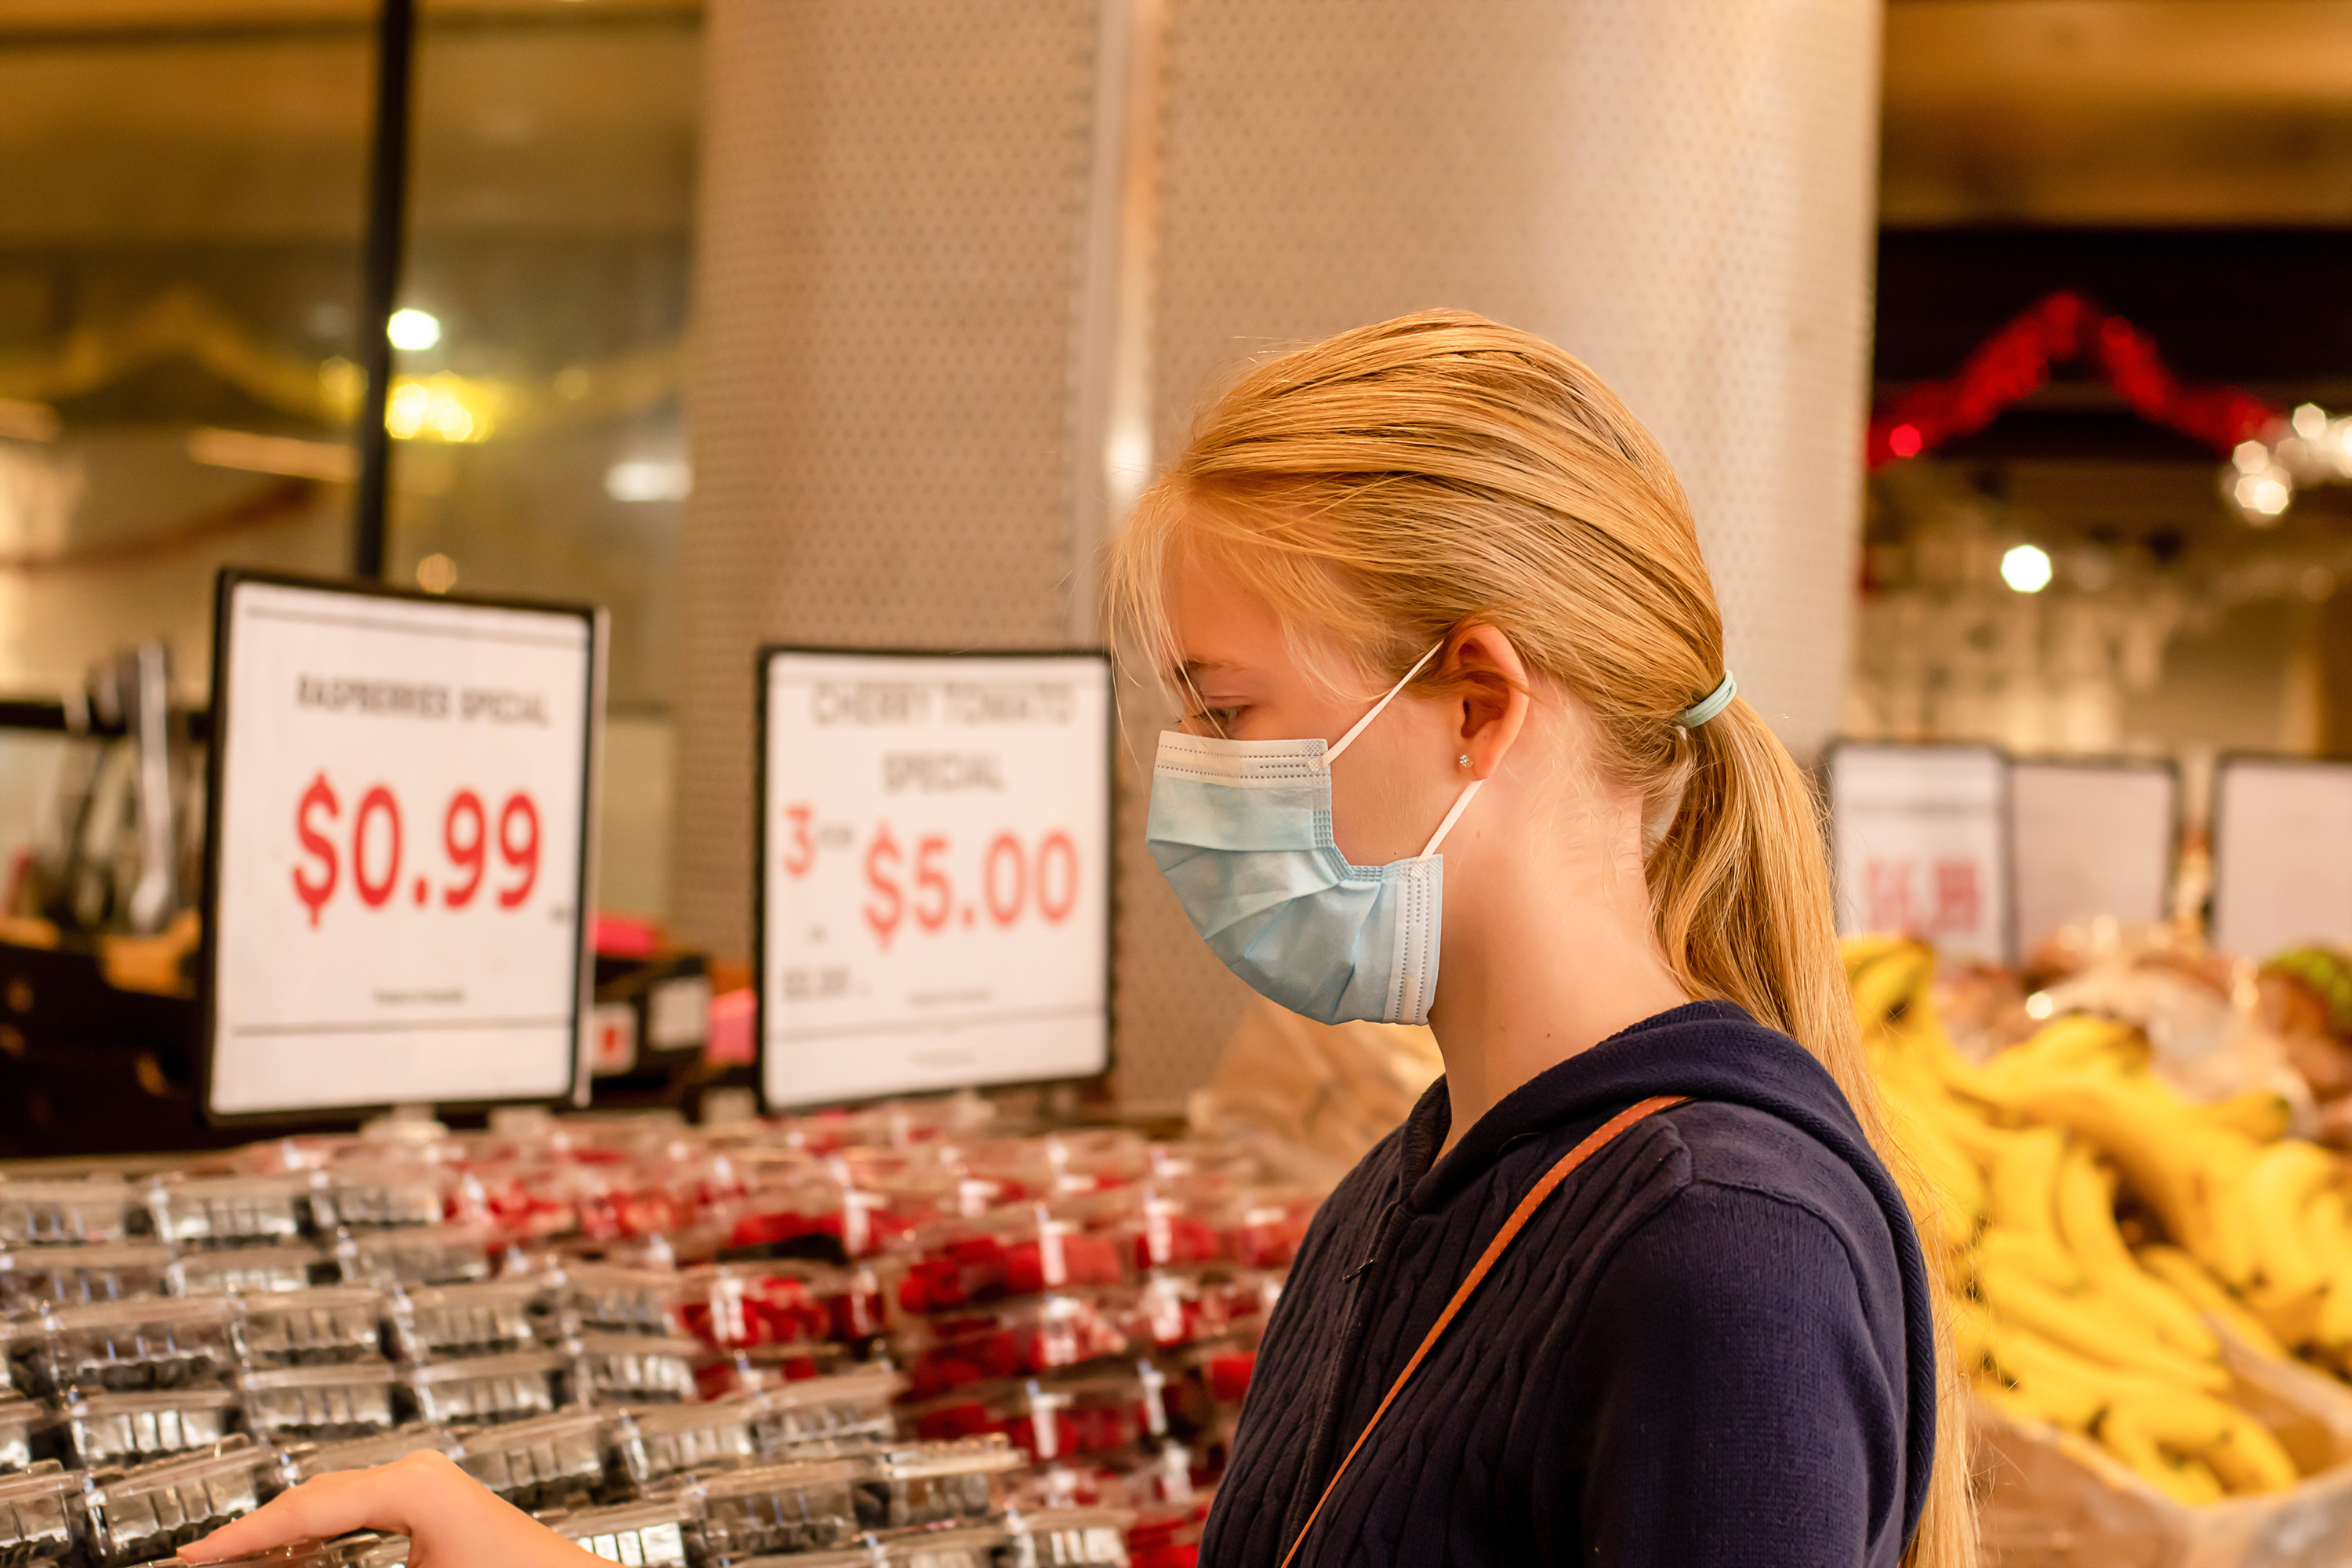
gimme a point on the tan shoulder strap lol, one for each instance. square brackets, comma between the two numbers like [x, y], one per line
[1495, 1249]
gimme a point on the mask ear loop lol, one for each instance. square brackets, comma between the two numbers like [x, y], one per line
[1348, 739]
[1461, 804]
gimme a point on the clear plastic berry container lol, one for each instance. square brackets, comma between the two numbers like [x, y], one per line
[615, 1299]
[827, 1209]
[252, 1270]
[36, 1516]
[152, 1342]
[636, 1368]
[774, 1510]
[428, 1255]
[317, 1327]
[1016, 1339]
[373, 1194]
[718, 1374]
[929, 1485]
[32, 1278]
[780, 1301]
[549, 1461]
[77, 1213]
[300, 1461]
[1022, 1250]
[658, 1444]
[192, 1212]
[110, 1431]
[650, 1534]
[847, 1406]
[437, 1322]
[319, 1404]
[1176, 1308]
[1095, 1159]
[1070, 1538]
[977, 1546]
[1047, 1419]
[1265, 1226]
[300, 1554]
[154, 1510]
[1158, 1228]
[18, 1420]
[486, 1390]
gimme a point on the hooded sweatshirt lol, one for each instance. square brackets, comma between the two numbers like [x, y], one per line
[1711, 1347]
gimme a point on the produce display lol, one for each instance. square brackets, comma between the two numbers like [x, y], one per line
[878, 1337]
[2124, 1262]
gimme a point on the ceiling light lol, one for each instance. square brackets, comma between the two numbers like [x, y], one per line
[2026, 568]
[413, 331]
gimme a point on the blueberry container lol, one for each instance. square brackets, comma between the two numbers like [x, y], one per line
[327, 1325]
[36, 1516]
[650, 1534]
[194, 1211]
[265, 1269]
[484, 1390]
[634, 1368]
[548, 1462]
[157, 1342]
[318, 1404]
[660, 1444]
[113, 1431]
[66, 1213]
[33, 1278]
[154, 1511]
[437, 1322]
[771, 1509]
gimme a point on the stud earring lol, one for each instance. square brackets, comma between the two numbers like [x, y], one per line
[1464, 761]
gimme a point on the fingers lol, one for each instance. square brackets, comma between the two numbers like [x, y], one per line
[385, 1498]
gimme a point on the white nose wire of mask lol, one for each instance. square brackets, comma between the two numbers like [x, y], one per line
[1461, 804]
[1348, 739]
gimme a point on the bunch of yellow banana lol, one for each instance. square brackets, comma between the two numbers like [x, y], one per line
[2020, 1165]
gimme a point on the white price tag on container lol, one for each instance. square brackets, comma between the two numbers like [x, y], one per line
[401, 802]
[2092, 839]
[934, 872]
[1920, 838]
[2282, 854]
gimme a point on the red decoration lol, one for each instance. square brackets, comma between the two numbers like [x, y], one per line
[2011, 362]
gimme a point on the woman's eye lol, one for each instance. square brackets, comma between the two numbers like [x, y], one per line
[1215, 721]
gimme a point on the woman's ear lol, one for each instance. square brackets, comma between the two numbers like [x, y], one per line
[1490, 682]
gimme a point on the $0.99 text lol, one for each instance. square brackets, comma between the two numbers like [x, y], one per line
[913, 881]
[369, 843]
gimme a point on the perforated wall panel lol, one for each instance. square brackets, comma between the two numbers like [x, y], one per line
[889, 239]
[1678, 192]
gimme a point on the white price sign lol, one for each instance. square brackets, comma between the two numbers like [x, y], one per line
[400, 810]
[2092, 839]
[2282, 854]
[934, 872]
[1920, 838]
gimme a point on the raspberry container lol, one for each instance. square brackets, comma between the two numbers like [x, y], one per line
[1162, 1229]
[779, 1302]
[851, 1406]
[549, 1462]
[78, 1212]
[773, 1509]
[254, 1270]
[924, 1485]
[319, 1404]
[1265, 1226]
[718, 1374]
[634, 1368]
[618, 1299]
[1049, 1420]
[651, 1534]
[36, 1516]
[110, 1431]
[32, 1278]
[435, 1322]
[325, 1326]
[190, 1212]
[154, 1511]
[1019, 1251]
[1176, 1309]
[484, 1390]
[660, 1444]
[150, 1344]
[301, 1461]
[1017, 1339]
[1070, 1538]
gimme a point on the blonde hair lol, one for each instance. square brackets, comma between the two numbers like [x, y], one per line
[1390, 484]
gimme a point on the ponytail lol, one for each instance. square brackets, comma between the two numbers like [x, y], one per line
[1394, 483]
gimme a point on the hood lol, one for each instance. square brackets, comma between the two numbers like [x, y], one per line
[1704, 1051]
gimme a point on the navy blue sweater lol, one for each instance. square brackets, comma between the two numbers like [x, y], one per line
[1710, 1347]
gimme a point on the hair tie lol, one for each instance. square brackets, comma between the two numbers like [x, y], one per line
[1708, 706]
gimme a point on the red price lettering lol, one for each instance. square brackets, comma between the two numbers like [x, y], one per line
[800, 853]
[1013, 879]
[373, 849]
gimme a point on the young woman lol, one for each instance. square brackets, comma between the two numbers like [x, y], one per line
[1429, 584]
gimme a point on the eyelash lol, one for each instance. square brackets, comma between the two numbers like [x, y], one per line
[1220, 721]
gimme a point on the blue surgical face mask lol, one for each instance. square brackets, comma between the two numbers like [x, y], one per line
[1242, 830]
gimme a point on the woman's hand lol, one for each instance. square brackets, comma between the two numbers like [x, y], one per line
[450, 1519]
